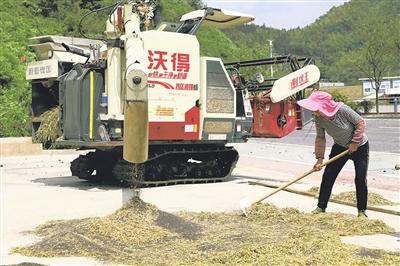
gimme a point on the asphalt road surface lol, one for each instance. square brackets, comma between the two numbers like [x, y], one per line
[383, 135]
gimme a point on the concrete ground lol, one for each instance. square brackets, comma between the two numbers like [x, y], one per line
[36, 189]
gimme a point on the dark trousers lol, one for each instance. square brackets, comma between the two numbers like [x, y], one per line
[360, 159]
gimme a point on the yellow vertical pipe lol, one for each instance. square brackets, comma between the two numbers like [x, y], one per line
[136, 132]
[91, 106]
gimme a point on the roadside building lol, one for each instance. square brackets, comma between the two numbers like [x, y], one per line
[331, 84]
[390, 87]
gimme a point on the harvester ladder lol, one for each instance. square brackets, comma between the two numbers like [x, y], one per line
[299, 117]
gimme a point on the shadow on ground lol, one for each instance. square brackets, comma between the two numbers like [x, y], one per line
[75, 182]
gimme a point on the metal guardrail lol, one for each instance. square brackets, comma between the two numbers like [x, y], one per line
[387, 105]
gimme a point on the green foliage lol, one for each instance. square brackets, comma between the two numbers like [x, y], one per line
[16, 27]
[359, 107]
[172, 10]
[215, 43]
[363, 107]
[47, 7]
[379, 55]
[339, 97]
[14, 92]
[20, 21]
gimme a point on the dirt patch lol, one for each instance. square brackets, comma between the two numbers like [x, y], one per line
[364, 252]
[178, 225]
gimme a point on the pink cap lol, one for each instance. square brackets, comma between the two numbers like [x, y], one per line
[321, 101]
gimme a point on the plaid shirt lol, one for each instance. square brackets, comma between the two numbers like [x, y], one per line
[345, 127]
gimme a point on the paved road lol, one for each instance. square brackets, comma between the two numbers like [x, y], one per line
[383, 134]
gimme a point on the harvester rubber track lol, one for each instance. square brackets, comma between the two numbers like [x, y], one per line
[166, 166]
[83, 166]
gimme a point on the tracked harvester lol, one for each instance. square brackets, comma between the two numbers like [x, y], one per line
[153, 110]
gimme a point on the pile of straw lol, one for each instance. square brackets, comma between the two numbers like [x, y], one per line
[49, 129]
[374, 199]
[142, 235]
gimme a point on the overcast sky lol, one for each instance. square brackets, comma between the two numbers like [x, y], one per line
[280, 14]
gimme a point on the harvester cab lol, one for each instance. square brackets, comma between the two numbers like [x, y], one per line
[153, 110]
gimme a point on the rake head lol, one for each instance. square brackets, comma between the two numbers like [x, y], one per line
[244, 205]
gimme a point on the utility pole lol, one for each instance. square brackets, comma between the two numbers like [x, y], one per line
[270, 55]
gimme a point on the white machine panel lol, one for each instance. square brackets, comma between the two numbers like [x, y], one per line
[294, 82]
[42, 69]
[173, 62]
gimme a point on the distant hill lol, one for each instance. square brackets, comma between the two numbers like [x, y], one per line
[331, 40]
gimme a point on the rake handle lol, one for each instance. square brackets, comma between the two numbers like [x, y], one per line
[340, 155]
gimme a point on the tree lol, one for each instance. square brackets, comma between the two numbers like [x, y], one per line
[378, 55]
[196, 4]
[90, 4]
[48, 7]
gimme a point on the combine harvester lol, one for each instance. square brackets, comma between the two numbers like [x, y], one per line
[153, 110]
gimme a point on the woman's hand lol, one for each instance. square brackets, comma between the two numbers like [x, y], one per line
[318, 164]
[353, 147]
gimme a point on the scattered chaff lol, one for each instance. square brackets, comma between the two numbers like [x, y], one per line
[140, 234]
[374, 199]
[314, 190]
[49, 129]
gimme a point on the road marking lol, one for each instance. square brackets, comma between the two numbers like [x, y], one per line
[280, 144]
[277, 160]
[347, 167]
[391, 127]
[382, 132]
[395, 175]
[244, 171]
[312, 146]
[380, 119]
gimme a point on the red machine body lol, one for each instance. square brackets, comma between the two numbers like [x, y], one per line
[274, 120]
[273, 100]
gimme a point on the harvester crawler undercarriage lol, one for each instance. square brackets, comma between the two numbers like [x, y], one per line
[167, 164]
